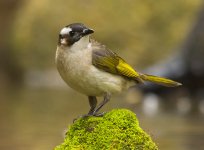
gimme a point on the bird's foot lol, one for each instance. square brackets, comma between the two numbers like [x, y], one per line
[82, 116]
[99, 114]
[88, 115]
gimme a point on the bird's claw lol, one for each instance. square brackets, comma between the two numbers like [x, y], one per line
[88, 115]
[99, 114]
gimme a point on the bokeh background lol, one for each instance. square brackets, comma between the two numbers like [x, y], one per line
[159, 37]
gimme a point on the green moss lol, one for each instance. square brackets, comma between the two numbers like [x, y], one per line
[117, 129]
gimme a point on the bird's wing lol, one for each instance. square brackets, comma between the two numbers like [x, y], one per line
[109, 61]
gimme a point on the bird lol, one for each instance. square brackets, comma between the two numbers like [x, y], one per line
[92, 69]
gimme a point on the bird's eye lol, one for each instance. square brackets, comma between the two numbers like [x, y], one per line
[71, 33]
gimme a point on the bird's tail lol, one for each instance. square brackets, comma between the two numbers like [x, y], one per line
[159, 80]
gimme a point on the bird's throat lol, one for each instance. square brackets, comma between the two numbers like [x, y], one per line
[81, 44]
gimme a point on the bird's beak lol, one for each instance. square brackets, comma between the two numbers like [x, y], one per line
[87, 32]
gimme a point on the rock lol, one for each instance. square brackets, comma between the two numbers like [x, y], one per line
[117, 129]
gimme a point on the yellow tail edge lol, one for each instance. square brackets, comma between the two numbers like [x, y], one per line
[159, 80]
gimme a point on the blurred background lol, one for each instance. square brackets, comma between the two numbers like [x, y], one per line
[163, 38]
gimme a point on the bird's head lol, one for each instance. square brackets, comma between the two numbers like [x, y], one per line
[74, 33]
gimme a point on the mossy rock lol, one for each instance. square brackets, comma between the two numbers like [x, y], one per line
[117, 129]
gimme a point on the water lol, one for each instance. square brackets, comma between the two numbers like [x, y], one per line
[35, 118]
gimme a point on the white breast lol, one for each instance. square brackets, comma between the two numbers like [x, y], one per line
[75, 67]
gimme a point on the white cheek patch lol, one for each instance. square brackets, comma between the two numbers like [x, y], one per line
[63, 41]
[65, 30]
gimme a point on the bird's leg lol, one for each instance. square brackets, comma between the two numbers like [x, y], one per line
[92, 103]
[93, 110]
[105, 100]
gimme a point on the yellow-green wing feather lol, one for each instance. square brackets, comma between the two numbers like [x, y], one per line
[105, 60]
[110, 62]
[126, 70]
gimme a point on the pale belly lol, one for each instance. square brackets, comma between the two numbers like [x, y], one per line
[94, 82]
[85, 78]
